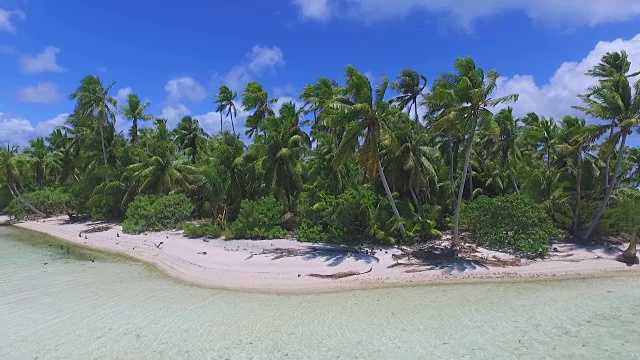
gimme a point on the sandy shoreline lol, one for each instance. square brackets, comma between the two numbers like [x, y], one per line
[241, 264]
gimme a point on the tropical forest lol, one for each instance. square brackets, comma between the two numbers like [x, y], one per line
[398, 160]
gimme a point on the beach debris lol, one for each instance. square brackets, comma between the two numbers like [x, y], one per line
[629, 256]
[46, 263]
[92, 259]
[442, 256]
[340, 275]
[202, 253]
[80, 234]
[85, 237]
[117, 234]
[96, 229]
[159, 245]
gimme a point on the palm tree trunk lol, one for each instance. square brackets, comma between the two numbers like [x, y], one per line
[513, 177]
[415, 109]
[390, 197]
[414, 197]
[607, 164]
[585, 234]
[104, 147]
[13, 189]
[576, 209]
[220, 121]
[134, 131]
[455, 241]
[470, 181]
[232, 126]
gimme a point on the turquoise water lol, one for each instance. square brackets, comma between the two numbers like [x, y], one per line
[73, 308]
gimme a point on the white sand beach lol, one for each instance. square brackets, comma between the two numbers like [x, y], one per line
[244, 265]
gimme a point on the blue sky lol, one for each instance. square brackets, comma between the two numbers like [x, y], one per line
[177, 54]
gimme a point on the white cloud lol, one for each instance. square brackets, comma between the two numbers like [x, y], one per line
[123, 95]
[314, 9]
[210, 122]
[555, 98]
[43, 93]
[185, 88]
[466, 12]
[7, 17]
[45, 61]
[15, 130]
[259, 60]
[174, 112]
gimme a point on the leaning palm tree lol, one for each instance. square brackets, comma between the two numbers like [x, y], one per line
[226, 102]
[612, 67]
[465, 98]
[93, 100]
[135, 111]
[616, 101]
[10, 163]
[410, 85]
[256, 98]
[365, 115]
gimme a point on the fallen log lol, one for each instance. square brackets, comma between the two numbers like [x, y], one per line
[340, 275]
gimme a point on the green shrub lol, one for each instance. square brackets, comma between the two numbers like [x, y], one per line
[348, 217]
[622, 215]
[153, 212]
[512, 222]
[207, 230]
[259, 219]
[50, 202]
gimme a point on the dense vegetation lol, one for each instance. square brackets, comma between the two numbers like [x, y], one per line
[390, 163]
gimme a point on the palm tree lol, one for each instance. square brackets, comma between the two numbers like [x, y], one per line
[135, 111]
[93, 100]
[190, 137]
[10, 163]
[318, 96]
[256, 98]
[466, 99]
[613, 100]
[506, 146]
[612, 67]
[161, 169]
[576, 136]
[63, 143]
[42, 159]
[365, 114]
[410, 85]
[279, 158]
[407, 147]
[226, 102]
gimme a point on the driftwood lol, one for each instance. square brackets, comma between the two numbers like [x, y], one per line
[340, 275]
[96, 229]
[629, 256]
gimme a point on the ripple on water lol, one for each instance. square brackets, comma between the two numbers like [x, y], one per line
[73, 308]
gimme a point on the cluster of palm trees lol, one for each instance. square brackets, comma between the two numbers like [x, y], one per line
[436, 149]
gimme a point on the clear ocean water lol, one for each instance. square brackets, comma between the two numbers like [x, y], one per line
[114, 308]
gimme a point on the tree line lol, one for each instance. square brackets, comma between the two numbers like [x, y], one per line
[396, 161]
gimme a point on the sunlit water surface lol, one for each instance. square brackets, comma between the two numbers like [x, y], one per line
[73, 308]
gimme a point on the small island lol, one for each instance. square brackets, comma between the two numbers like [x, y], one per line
[356, 185]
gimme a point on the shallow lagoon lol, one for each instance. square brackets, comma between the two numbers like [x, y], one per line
[113, 308]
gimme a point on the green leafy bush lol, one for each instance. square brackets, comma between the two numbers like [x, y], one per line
[348, 217]
[512, 222]
[50, 202]
[259, 219]
[153, 212]
[622, 215]
[206, 230]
